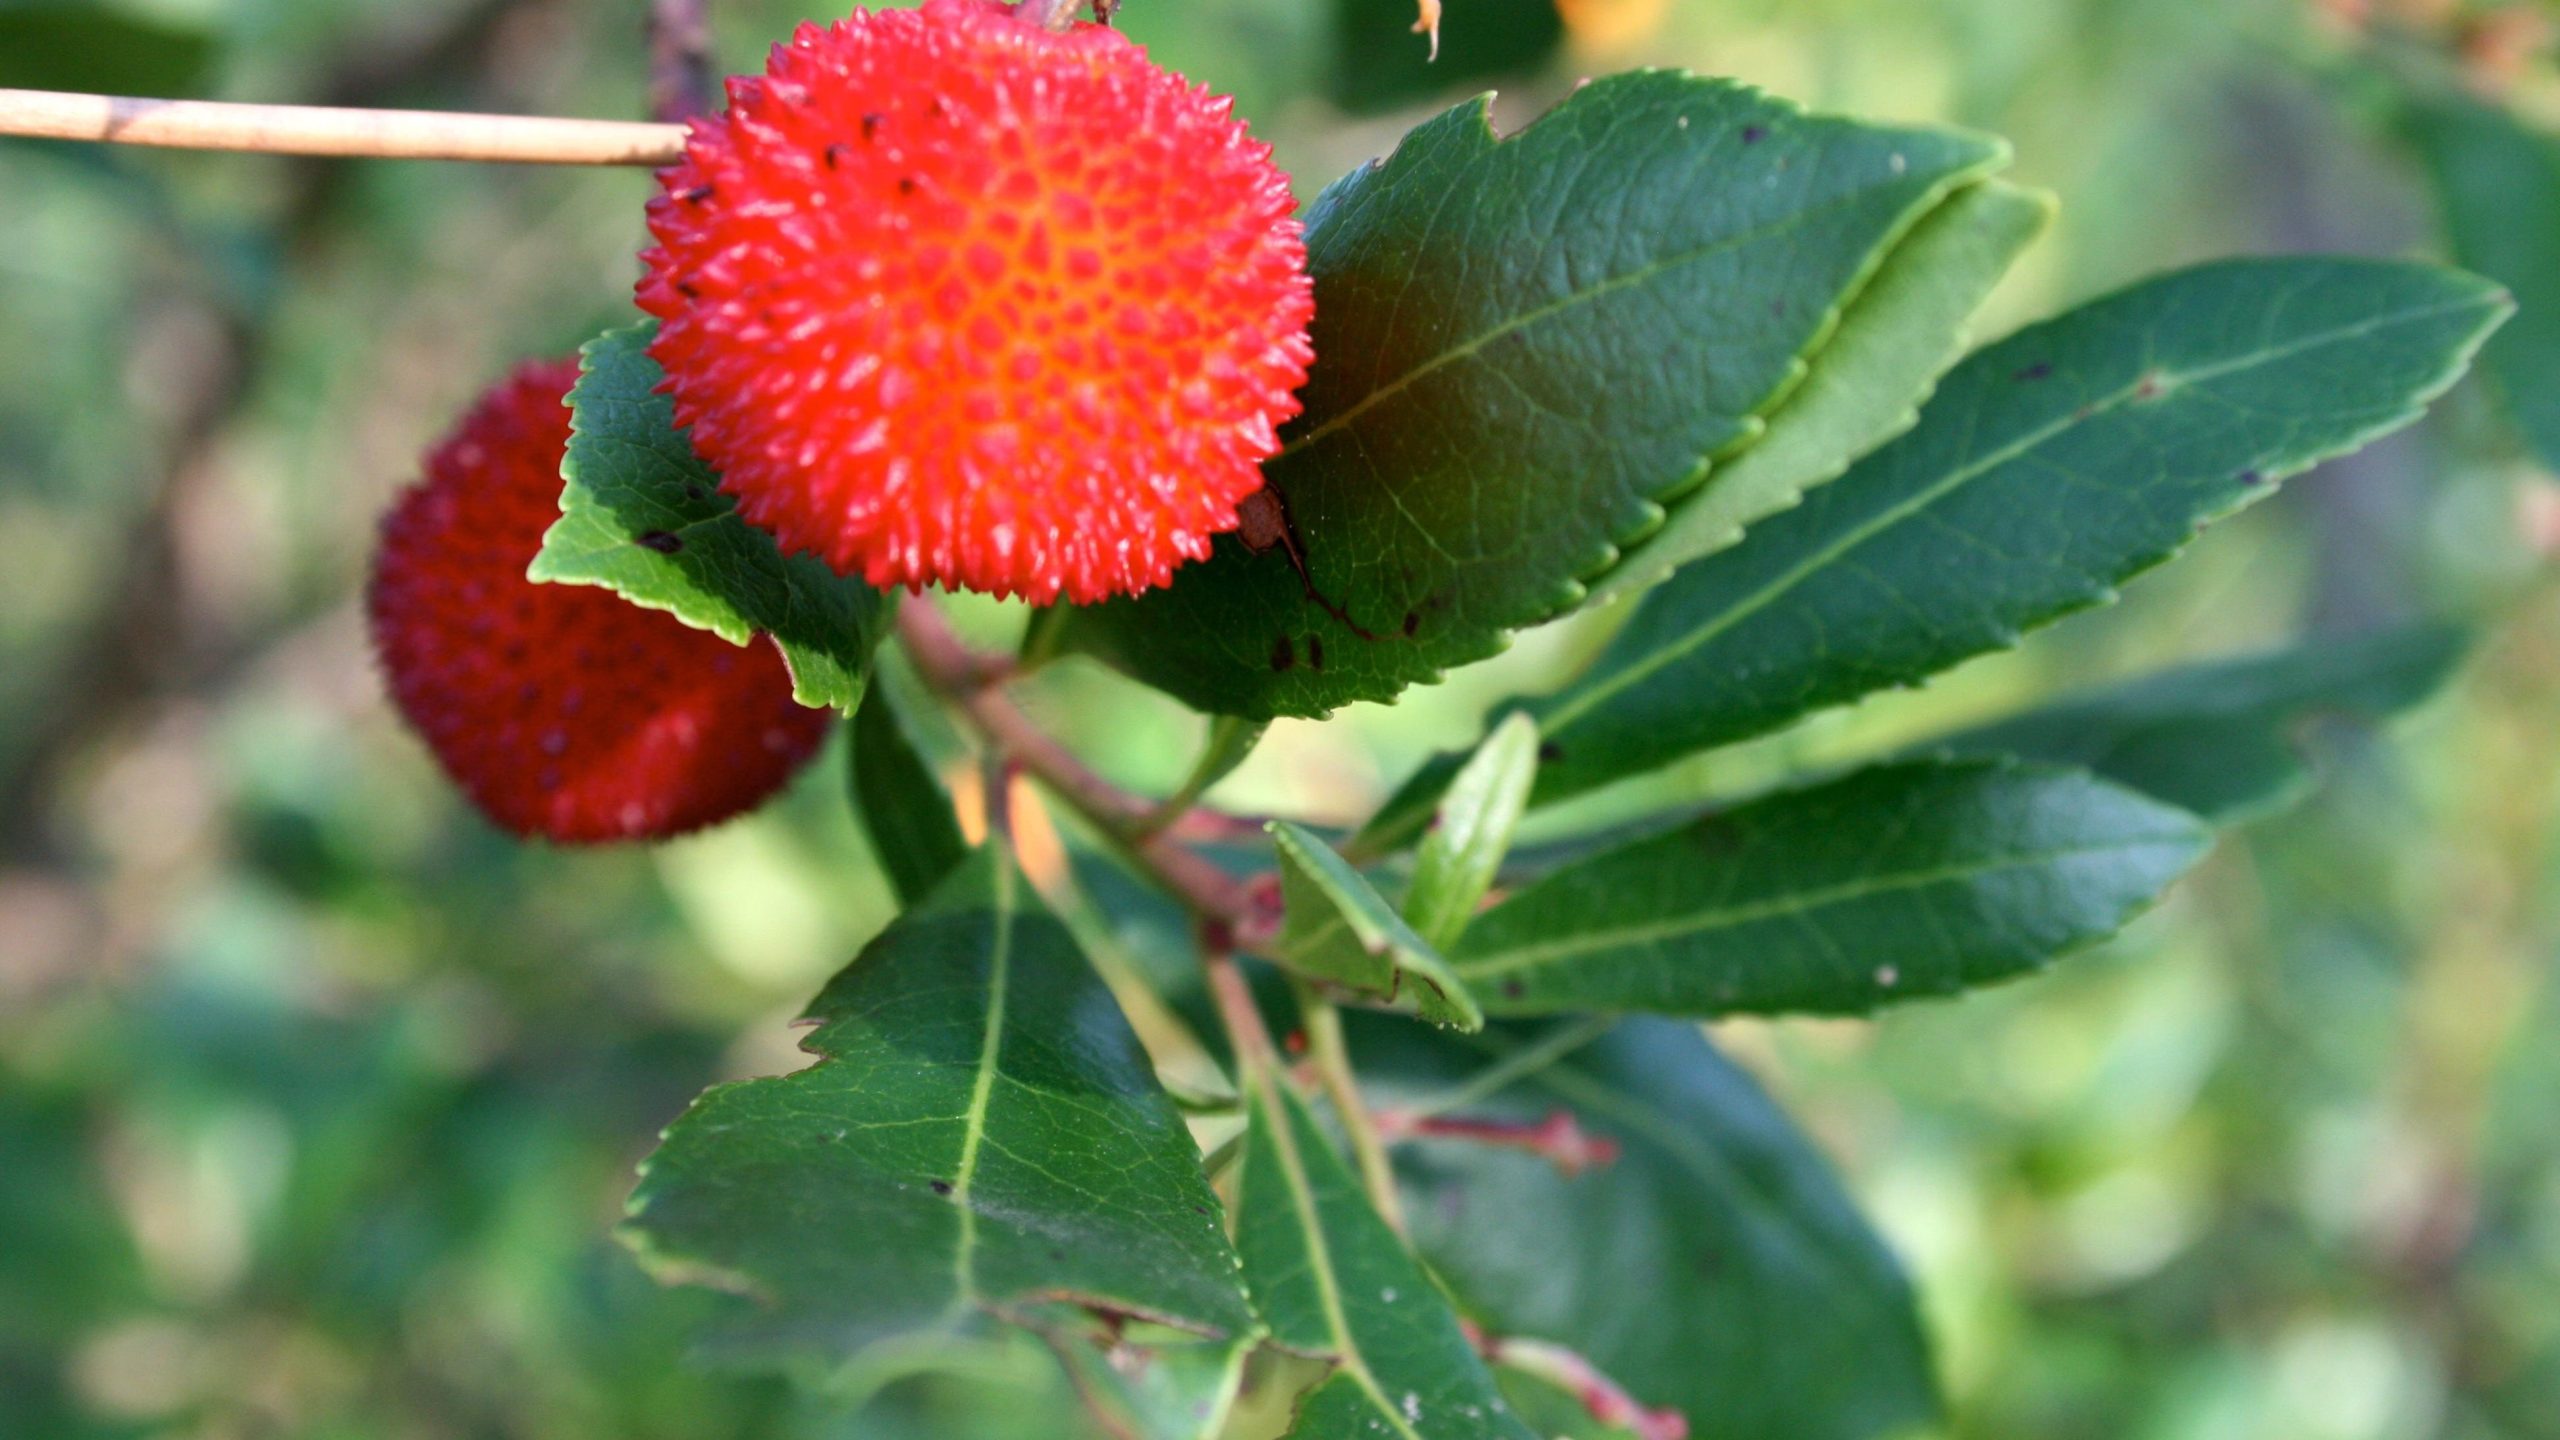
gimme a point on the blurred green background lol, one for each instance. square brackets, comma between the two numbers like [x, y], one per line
[318, 1098]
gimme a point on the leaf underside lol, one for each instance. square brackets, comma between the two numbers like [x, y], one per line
[641, 516]
[1528, 347]
[1894, 342]
[1337, 928]
[1895, 883]
[982, 1134]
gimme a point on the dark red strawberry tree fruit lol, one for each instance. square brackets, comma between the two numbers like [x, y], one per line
[977, 297]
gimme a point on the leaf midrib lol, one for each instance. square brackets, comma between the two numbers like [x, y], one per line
[1503, 962]
[990, 1050]
[1555, 721]
[1302, 1199]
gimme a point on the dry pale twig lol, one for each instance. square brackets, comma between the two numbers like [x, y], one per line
[328, 130]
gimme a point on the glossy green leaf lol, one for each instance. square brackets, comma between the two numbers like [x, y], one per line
[2050, 469]
[2497, 183]
[1331, 1280]
[2220, 739]
[981, 1133]
[644, 518]
[1462, 853]
[1337, 928]
[1714, 1267]
[1891, 884]
[1527, 349]
[914, 833]
[1902, 333]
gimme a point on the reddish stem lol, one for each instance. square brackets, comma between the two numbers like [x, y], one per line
[1559, 1139]
[1607, 1400]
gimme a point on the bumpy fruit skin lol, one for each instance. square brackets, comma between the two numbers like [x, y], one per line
[564, 711]
[948, 298]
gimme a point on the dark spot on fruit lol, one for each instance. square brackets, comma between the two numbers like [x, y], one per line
[2037, 371]
[1412, 622]
[661, 541]
[1315, 652]
[1753, 134]
[871, 124]
[687, 291]
[906, 184]
[1283, 654]
[941, 1187]
[698, 194]
[835, 155]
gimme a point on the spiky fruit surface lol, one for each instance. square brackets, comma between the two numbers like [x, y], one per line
[948, 298]
[563, 711]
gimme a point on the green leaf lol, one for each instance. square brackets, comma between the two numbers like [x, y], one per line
[1462, 853]
[1715, 1267]
[981, 1134]
[1338, 928]
[1894, 883]
[2497, 183]
[1895, 341]
[902, 803]
[2220, 740]
[644, 518]
[2051, 468]
[1330, 1279]
[1527, 349]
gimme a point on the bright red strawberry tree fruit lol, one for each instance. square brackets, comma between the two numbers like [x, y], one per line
[1397, 1129]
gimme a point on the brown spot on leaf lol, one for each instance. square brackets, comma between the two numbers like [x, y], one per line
[1284, 656]
[660, 541]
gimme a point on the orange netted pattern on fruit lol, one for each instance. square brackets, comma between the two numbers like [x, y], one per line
[948, 298]
[563, 711]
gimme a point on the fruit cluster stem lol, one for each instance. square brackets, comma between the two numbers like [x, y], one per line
[972, 685]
